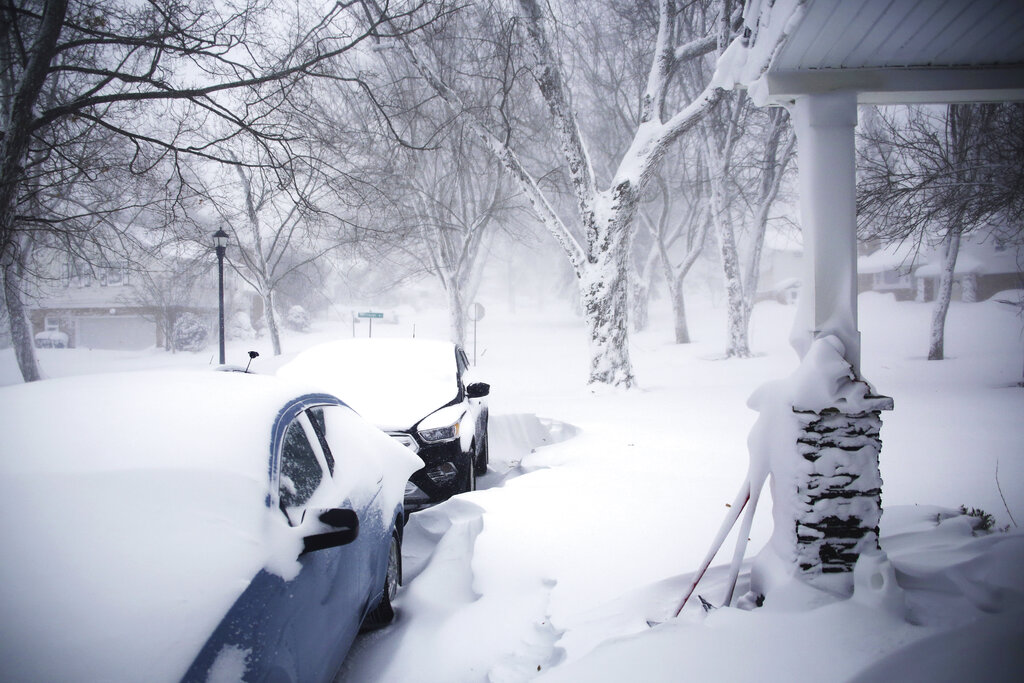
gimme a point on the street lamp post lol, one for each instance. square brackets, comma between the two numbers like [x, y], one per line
[220, 239]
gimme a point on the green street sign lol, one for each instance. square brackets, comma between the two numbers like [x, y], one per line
[371, 314]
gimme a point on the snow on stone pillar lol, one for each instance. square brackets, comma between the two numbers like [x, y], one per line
[824, 126]
[818, 434]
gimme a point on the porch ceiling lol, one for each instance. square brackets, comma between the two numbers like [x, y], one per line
[904, 51]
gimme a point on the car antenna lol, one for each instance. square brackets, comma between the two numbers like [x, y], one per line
[252, 354]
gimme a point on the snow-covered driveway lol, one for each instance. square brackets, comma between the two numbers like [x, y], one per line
[597, 511]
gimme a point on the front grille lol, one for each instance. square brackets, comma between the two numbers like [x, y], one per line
[406, 440]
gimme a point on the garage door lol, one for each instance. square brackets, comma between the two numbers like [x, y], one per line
[115, 332]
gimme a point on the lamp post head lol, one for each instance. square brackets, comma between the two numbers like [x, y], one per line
[220, 240]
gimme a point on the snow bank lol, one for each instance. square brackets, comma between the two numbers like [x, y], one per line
[931, 630]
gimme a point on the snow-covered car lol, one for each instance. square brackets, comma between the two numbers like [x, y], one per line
[418, 391]
[51, 339]
[167, 526]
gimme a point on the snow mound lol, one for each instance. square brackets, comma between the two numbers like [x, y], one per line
[943, 602]
[513, 437]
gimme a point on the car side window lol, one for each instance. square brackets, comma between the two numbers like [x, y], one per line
[461, 361]
[301, 473]
[356, 449]
[316, 418]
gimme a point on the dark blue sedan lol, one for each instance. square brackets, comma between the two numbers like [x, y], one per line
[192, 526]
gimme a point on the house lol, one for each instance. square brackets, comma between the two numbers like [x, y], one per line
[983, 267]
[889, 269]
[781, 268]
[94, 307]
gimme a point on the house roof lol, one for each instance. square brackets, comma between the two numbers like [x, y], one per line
[93, 296]
[903, 51]
[976, 256]
[903, 257]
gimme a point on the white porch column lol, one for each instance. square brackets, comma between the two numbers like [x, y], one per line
[824, 126]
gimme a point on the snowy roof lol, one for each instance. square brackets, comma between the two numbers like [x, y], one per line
[900, 51]
[393, 383]
[94, 296]
[976, 256]
[784, 240]
[903, 256]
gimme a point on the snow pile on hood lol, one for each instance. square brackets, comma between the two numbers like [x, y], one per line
[393, 383]
[134, 512]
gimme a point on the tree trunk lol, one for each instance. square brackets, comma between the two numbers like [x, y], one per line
[456, 312]
[604, 288]
[271, 315]
[641, 298]
[605, 301]
[937, 340]
[679, 313]
[21, 330]
[738, 324]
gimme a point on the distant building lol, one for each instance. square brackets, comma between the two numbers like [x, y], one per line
[983, 267]
[781, 268]
[99, 308]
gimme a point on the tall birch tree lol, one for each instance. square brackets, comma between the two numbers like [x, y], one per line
[597, 240]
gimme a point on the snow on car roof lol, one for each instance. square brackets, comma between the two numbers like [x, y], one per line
[166, 420]
[393, 383]
[133, 511]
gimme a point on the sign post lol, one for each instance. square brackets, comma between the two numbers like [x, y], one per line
[370, 315]
[476, 313]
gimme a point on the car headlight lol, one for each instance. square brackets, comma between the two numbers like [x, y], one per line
[440, 433]
[442, 425]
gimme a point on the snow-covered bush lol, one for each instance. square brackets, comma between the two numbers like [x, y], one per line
[239, 327]
[190, 333]
[297, 319]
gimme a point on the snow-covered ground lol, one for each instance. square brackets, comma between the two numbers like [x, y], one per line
[599, 507]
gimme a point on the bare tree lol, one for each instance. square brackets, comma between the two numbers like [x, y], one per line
[168, 77]
[597, 241]
[166, 288]
[742, 194]
[458, 199]
[931, 173]
[681, 230]
[278, 224]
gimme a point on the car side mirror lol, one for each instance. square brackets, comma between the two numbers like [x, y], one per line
[344, 524]
[478, 390]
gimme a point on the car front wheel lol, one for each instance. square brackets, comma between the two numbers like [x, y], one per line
[384, 613]
[469, 482]
[482, 459]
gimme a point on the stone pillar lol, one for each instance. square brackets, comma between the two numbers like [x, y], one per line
[839, 498]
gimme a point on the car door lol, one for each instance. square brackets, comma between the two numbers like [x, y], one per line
[297, 618]
[474, 406]
[359, 476]
[332, 588]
